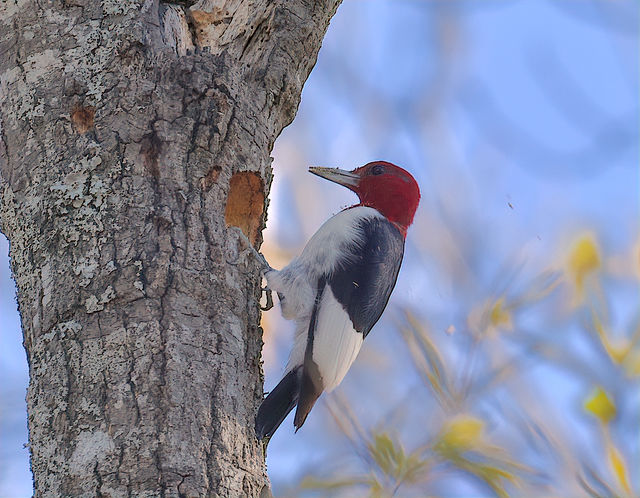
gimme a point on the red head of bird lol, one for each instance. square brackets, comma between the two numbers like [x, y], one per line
[381, 185]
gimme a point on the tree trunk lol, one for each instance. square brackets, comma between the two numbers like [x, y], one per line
[132, 133]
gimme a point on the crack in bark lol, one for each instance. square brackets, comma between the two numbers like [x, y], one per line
[258, 30]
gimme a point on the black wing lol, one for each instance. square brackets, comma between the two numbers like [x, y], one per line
[363, 282]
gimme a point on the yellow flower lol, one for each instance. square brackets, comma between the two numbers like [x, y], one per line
[584, 259]
[600, 406]
[462, 433]
[499, 316]
[489, 317]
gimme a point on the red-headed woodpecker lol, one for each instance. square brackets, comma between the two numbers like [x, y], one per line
[338, 287]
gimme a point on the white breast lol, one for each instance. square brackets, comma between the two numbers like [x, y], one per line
[324, 249]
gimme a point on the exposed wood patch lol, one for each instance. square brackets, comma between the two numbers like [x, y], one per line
[245, 204]
[204, 24]
[216, 16]
[82, 118]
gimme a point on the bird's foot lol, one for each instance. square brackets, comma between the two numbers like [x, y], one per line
[269, 304]
[264, 266]
[264, 442]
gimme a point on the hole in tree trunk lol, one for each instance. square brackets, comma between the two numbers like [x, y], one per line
[245, 204]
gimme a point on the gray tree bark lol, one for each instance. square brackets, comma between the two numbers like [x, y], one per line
[132, 133]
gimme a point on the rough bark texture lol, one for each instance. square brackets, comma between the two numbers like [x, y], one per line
[124, 153]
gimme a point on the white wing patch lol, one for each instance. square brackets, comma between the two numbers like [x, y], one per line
[324, 249]
[335, 342]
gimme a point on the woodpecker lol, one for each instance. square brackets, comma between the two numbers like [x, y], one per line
[338, 287]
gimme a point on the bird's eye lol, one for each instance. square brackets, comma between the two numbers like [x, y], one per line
[378, 169]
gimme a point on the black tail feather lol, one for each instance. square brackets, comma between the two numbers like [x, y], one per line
[310, 391]
[277, 405]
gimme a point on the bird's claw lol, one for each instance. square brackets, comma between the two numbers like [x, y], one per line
[264, 442]
[265, 267]
[269, 304]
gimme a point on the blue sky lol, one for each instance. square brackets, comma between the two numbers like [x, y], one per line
[519, 119]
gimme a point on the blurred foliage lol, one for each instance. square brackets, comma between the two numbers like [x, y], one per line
[527, 451]
[514, 369]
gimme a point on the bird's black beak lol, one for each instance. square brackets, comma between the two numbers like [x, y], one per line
[336, 175]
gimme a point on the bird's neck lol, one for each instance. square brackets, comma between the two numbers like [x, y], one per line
[397, 222]
[398, 207]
